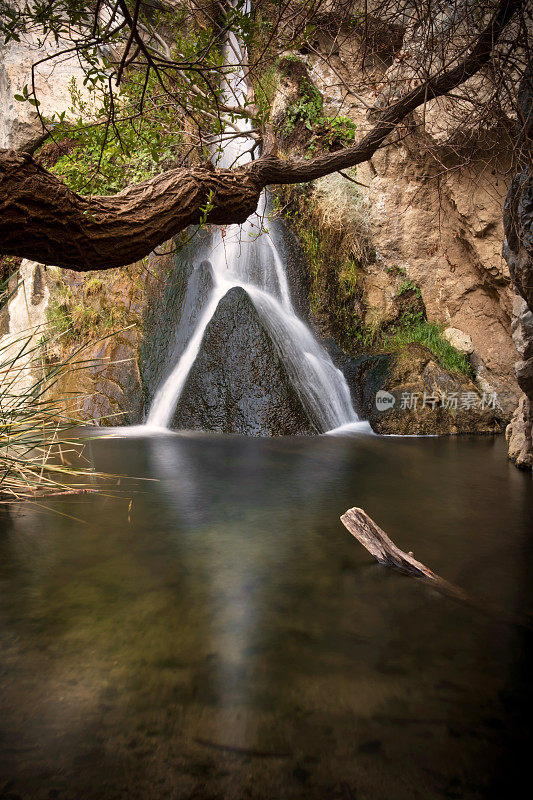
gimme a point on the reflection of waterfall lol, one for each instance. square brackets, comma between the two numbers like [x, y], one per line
[207, 517]
[246, 256]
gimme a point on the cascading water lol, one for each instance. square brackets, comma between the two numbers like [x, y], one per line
[246, 256]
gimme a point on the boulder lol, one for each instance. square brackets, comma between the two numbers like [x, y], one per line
[524, 375]
[460, 340]
[409, 392]
[522, 328]
[239, 383]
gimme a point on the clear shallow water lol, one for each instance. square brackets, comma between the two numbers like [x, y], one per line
[225, 637]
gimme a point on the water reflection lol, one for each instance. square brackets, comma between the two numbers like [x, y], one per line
[231, 640]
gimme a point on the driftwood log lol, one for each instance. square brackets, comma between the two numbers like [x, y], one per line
[381, 547]
[378, 544]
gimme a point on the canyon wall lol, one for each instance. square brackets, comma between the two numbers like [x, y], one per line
[429, 220]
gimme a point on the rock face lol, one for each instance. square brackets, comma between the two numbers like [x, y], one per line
[442, 235]
[440, 229]
[22, 323]
[171, 309]
[518, 435]
[238, 383]
[20, 126]
[423, 397]
[103, 315]
[518, 251]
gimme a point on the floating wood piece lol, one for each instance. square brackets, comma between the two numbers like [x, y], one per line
[378, 544]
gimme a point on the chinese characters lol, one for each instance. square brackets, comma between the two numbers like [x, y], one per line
[452, 401]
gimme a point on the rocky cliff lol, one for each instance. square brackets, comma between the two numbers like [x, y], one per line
[421, 221]
[518, 251]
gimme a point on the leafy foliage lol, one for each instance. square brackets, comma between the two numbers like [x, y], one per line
[409, 286]
[330, 132]
[105, 158]
[307, 109]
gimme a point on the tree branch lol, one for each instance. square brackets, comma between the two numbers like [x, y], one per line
[272, 170]
[378, 544]
[41, 219]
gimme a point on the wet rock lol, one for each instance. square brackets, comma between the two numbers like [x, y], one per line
[424, 398]
[239, 383]
[295, 266]
[171, 308]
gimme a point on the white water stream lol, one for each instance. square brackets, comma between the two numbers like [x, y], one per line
[246, 256]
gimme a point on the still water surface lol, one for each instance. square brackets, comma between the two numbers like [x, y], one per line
[225, 637]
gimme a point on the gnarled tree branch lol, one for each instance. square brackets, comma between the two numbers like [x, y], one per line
[41, 219]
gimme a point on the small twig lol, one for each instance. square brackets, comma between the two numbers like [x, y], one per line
[348, 178]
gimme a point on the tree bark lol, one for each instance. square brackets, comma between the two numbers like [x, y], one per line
[41, 219]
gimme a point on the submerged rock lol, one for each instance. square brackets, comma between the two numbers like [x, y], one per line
[239, 383]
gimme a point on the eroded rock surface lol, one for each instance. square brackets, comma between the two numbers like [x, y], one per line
[432, 220]
[518, 251]
[239, 383]
[427, 398]
[20, 126]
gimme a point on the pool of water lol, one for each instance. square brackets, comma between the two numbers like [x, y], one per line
[215, 632]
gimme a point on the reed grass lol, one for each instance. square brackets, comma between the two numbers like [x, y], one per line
[39, 454]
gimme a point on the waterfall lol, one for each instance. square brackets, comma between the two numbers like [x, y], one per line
[246, 256]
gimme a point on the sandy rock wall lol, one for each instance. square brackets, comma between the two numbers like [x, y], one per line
[90, 325]
[439, 228]
[20, 125]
